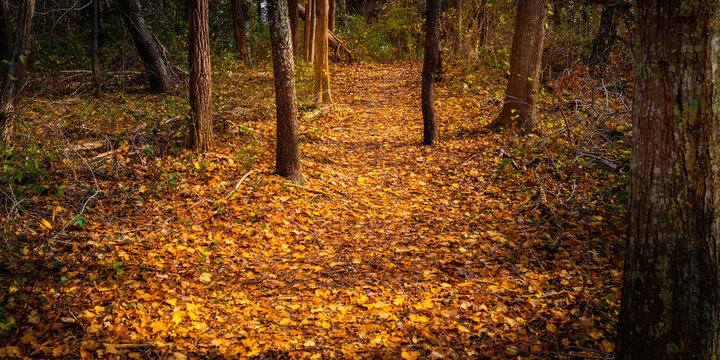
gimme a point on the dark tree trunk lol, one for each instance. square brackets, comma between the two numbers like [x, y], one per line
[258, 7]
[160, 74]
[238, 18]
[525, 57]
[200, 125]
[18, 58]
[287, 154]
[95, 16]
[602, 43]
[322, 71]
[294, 24]
[5, 39]
[671, 295]
[430, 67]
[331, 15]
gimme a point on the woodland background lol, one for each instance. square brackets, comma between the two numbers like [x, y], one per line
[117, 241]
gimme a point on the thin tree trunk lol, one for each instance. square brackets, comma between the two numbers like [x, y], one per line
[294, 24]
[160, 74]
[310, 24]
[331, 15]
[430, 65]
[671, 292]
[525, 58]
[95, 16]
[200, 124]
[287, 154]
[322, 71]
[5, 39]
[238, 18]
[18, 57]
[602, 43]
[333, 40]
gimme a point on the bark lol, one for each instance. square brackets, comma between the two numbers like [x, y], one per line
[671, 296]
[334, 41]
[602, 44]
[322, 71]
[5, 40]
[430, 66]
[18, 57]
[310, 32]
[287, 154]
[525, 58]
[331, 15]
[238, 19]
[95, 16]
[161, 76]
[294, 24]
[200, 124]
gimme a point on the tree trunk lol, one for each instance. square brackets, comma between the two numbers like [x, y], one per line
[331, 15]
[5, 40]
[18, 58]
[333, 40]
[525, 57]
[238, 19]
[160, 74]
[287, 154]
[294, 24]
[322, 71]
[602, 43]
[310, 31]
[95, 16]
[200, 124]
[430, 66]
[671, 294]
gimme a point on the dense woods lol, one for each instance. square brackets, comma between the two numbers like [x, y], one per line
[359, 179]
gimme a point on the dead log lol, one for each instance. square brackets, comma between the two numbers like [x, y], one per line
[340, 49]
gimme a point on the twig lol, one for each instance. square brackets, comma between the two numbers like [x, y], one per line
[238, 183]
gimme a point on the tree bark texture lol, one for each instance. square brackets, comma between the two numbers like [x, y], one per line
[161, 76]
[5, 39]
[95, 18]
[287, 153]
[238, 19]
[200, 124]
[430, 65]
[310, 31]
[331, 15]
[525, 58]
[294, 24]
[18, 58]
[322, 70]
[671, 295]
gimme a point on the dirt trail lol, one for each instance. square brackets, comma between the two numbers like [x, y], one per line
[392, 250]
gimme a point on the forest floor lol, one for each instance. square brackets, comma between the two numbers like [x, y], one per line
[487, 245]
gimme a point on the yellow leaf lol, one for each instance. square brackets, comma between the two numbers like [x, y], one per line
[410, 355]
[179, 356]
[205, 278]
[93, 329]
[158, 326]
[551, 328]
[607, 346]
[284, 321]
[46, 224]
[399, 300]
[196, 165]
[309, 343]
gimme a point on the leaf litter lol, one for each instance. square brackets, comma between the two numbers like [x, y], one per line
[478, 247]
